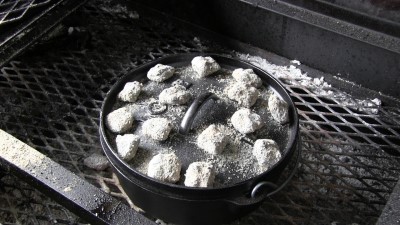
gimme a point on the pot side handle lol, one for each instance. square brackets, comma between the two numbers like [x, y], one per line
[194, 108]
[265, 189]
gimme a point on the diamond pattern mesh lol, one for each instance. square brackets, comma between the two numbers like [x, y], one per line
[11, 10]
[51, 98]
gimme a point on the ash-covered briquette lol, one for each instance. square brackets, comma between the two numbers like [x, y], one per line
[127, 146]
[205, 66]
[278, 109]
[212, 140]
[96, 162]
[247, 76]
[175, 95]
[120, 120]
[246, 121]
[157, 128]
[200, 174]
[130, 92]
[160, 72]
[266, 152]
[165, 167]
[245, 95]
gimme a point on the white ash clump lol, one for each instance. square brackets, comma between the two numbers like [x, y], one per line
[160, 72]
[266, 152]
[247, 76]
[278, 108]
[246, 121]
[175, 95]
[120, 120]
[205, 66]
[165, 167]
[130, 92]
[96, 161]
[212, 140]
[244, 94]
[127, 146]
[157, 128]
[199, 174]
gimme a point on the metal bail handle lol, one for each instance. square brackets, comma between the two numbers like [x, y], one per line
[275, 188]
[257, 188]
[194, 108]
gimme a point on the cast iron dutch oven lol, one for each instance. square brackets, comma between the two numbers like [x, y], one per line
[176, 203]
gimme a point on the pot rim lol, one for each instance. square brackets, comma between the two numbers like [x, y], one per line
[288, 151]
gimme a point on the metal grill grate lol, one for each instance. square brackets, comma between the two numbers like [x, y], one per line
[51, 100]
[12, 10]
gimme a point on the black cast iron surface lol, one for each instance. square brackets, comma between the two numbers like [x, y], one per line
[51, 97]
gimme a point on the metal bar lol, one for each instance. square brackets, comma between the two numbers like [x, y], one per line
[76, 194]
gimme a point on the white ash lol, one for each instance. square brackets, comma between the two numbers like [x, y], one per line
[96, 161]
[120, 120]
[199, 174]
[205, 66]
[246, 121]
[165, 167]
[367, 105]
[266, 152]
[175, 95]
[245, 95]
[278, 109]
[376, 101]
[120, 10]
[247, 76]
[127, 146]
[160, 72]
[212, 140]
[130, 92]
[318, 86]
[70, 30]
[157, 128]
[237, 162]
[290, 73]
[296, 62]
[160, 222]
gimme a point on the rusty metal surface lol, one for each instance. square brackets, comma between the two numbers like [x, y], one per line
[51, 98]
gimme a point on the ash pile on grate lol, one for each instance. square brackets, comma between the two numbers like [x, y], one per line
[293, 75]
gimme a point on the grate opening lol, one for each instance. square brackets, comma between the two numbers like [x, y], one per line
[321, 108]
[346, 129]
[333, 118]
[351, 119]
[339, 109]
[327, 127]
[304, 108]
[310, 99]
[299, 90]
[364, 130]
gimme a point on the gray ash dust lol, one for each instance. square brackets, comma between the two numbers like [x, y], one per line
[236, 163]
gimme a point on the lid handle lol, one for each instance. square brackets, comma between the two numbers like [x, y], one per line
[194, 108]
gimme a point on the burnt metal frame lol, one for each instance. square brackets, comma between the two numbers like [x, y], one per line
[61, 185]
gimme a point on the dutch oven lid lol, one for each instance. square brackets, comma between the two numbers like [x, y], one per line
[236, 163]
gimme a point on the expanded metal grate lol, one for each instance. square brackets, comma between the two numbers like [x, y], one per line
[11, 10]
[51, 100]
